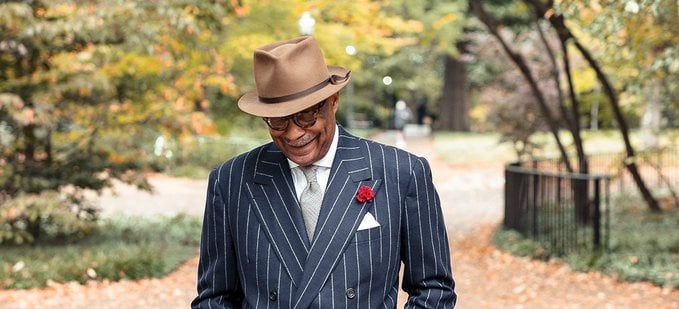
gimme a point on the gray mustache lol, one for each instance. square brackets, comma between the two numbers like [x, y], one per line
[301, 141]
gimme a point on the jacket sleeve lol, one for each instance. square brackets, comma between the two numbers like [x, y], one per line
[428, 276]
[218, 280]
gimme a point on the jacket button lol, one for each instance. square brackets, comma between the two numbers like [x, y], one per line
[273, 296]
[351, 293]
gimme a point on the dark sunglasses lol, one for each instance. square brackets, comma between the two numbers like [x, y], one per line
[304, 119]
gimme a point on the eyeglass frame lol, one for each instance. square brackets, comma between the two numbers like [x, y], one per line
[314, 109]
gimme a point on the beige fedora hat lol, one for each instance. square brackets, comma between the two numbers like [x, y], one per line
[291, 76]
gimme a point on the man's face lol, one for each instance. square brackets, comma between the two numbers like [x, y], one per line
[306, 146]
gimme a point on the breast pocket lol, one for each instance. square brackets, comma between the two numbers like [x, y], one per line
[366, 255]
[368, 235]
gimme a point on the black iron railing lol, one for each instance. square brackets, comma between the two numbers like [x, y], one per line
[659, 167]
[562, 211]
[568, 211]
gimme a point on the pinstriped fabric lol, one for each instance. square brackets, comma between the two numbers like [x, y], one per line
[255, 252]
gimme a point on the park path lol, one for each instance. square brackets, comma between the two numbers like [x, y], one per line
[472, 199]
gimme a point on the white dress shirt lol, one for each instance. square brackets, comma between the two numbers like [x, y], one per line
[323, 171]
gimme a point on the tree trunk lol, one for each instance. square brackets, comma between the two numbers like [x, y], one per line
[572, 118]
[480, 12]
[557, 21]
[454, 104]
[630, 159]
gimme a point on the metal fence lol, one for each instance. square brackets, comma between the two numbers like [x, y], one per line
[562, 211]
[659, 167]
[568, 211]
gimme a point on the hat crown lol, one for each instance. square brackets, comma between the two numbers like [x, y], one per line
[291, 76]
[289, 67]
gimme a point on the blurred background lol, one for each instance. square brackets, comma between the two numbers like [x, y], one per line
[102, 100]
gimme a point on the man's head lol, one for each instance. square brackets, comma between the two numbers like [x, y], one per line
[297, 95]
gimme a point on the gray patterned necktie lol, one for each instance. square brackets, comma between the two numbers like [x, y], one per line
[311, 199]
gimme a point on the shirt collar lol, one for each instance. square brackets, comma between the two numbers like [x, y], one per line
[329, 157]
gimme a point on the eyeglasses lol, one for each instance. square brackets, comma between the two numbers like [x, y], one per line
[304, 119]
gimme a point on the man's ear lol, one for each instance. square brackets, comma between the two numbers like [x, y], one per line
[334, 100]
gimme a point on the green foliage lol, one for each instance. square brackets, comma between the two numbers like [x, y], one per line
[86, 86]
[514, 242]
[379, 32]
[504, 99]
[416, 68]
[636, 41]
[644, 246]
[513, 14]
[46, 217]
[633, 41]
[125, 248]
[75, 89]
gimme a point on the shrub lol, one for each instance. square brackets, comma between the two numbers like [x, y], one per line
[47, 216]
[125, 248]
[644, 246]
[512, 241]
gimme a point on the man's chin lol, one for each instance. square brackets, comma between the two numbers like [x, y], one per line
[297, 153]
[301, 160]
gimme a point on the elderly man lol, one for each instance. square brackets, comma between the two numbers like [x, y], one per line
[319, 218]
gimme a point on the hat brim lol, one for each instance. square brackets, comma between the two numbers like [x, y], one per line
[250, 103]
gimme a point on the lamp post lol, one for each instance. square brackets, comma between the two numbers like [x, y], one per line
[386, 81]
[306, 24]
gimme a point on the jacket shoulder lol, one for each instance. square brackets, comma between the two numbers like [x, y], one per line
[244, 161]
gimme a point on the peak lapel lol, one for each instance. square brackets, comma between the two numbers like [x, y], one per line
[340, 215]
[277, 209]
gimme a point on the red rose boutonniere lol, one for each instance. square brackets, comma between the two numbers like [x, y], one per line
[365, 194]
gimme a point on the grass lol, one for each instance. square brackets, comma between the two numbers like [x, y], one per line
[469, 148]
[126, 248]
[644, 246]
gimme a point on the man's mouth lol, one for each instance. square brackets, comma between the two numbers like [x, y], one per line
[301, 142]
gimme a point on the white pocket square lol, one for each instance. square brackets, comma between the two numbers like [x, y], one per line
[368, 222]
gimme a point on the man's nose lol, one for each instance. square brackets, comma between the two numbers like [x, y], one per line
[293, 131]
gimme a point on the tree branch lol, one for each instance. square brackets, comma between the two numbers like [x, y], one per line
[479, 11]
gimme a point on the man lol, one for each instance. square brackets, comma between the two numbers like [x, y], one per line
[319, 218]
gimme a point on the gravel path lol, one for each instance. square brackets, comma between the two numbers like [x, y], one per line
[170, 196]
[471, 196]
[472, 201]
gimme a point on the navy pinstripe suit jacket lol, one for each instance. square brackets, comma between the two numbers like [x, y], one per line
[255, 252]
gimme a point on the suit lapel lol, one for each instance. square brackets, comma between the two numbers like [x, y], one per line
[276, 207]
[340, 215]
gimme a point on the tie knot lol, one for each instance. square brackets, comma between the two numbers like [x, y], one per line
[309, 172]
